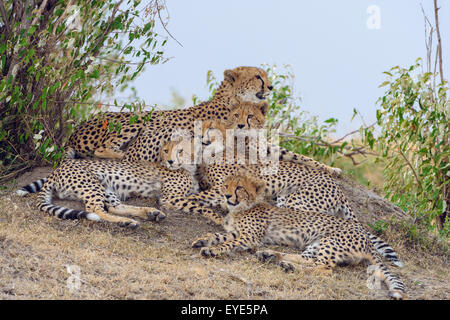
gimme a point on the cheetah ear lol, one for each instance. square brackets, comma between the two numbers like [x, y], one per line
[234, 104]
[230, 75]
[264, 107]
[259, 185]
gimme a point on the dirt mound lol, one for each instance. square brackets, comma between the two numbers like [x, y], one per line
[46, 258]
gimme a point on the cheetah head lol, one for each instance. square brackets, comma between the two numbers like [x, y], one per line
[213, 132]
[177, 153]
[242, 192]
[248, 83]
[185, 152]
[247, 115]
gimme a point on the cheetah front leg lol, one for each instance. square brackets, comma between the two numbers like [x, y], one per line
[287, 261]
[146, 213]
[93, 194]
[116, 207]
[121, 221]
[173, 197]
[213, 239]
[187, 205]
[212, 197]
[240, 242]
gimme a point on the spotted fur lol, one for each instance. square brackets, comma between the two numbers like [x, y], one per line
[104, 184]
[291, 172]
[142, 136]
[328, 240]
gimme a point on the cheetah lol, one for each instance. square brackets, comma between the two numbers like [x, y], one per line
[329, 240]
[142, 135]
[104, 184]
[292, 173]
[299, 182]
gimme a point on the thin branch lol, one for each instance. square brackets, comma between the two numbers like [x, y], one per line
[439, 47]
[13, 174]
[38, 14]
[97, 103]
[350, 133]
[352, 151]
[61, 18]
[163, 24]
[123, 62]
[4, 16]
[429, 43]
[409, 164]
[104, 34]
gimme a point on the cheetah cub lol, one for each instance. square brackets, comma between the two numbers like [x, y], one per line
[101, 185]
[326, 241]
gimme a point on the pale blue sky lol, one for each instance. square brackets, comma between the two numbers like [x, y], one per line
[338, 62]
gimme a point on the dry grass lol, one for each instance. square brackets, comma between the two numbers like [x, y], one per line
[157, 262]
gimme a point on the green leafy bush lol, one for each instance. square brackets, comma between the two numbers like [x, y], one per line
[414, 123]
[56, 58]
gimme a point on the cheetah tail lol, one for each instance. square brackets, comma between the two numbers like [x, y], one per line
[33, 187]
[395, 285]
[45, 204]
[385, 250]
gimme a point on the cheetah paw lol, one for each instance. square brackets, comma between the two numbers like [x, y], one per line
[287, 266]
[155, 215]
[266, 256]
[208, 252]
[200, 243]
[132, 224]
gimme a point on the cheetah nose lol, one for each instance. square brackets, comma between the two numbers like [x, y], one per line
[170, 161]
[228, 196]
[240, 126]
[270, 88]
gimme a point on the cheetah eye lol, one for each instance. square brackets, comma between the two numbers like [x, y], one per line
[258, 77]
[236, 115]
[165, 151]
[250, 116]
[180, 151]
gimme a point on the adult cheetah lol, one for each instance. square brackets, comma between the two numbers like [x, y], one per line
[141, 136]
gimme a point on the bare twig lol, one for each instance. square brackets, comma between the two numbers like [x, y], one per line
[429, 43]
[123, 62]
[164, 25]
[13, 174]
[409, 164]
[350, 133]
[350, 151]
[439, 47]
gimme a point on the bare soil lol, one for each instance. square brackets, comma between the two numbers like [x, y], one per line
[40, 256]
